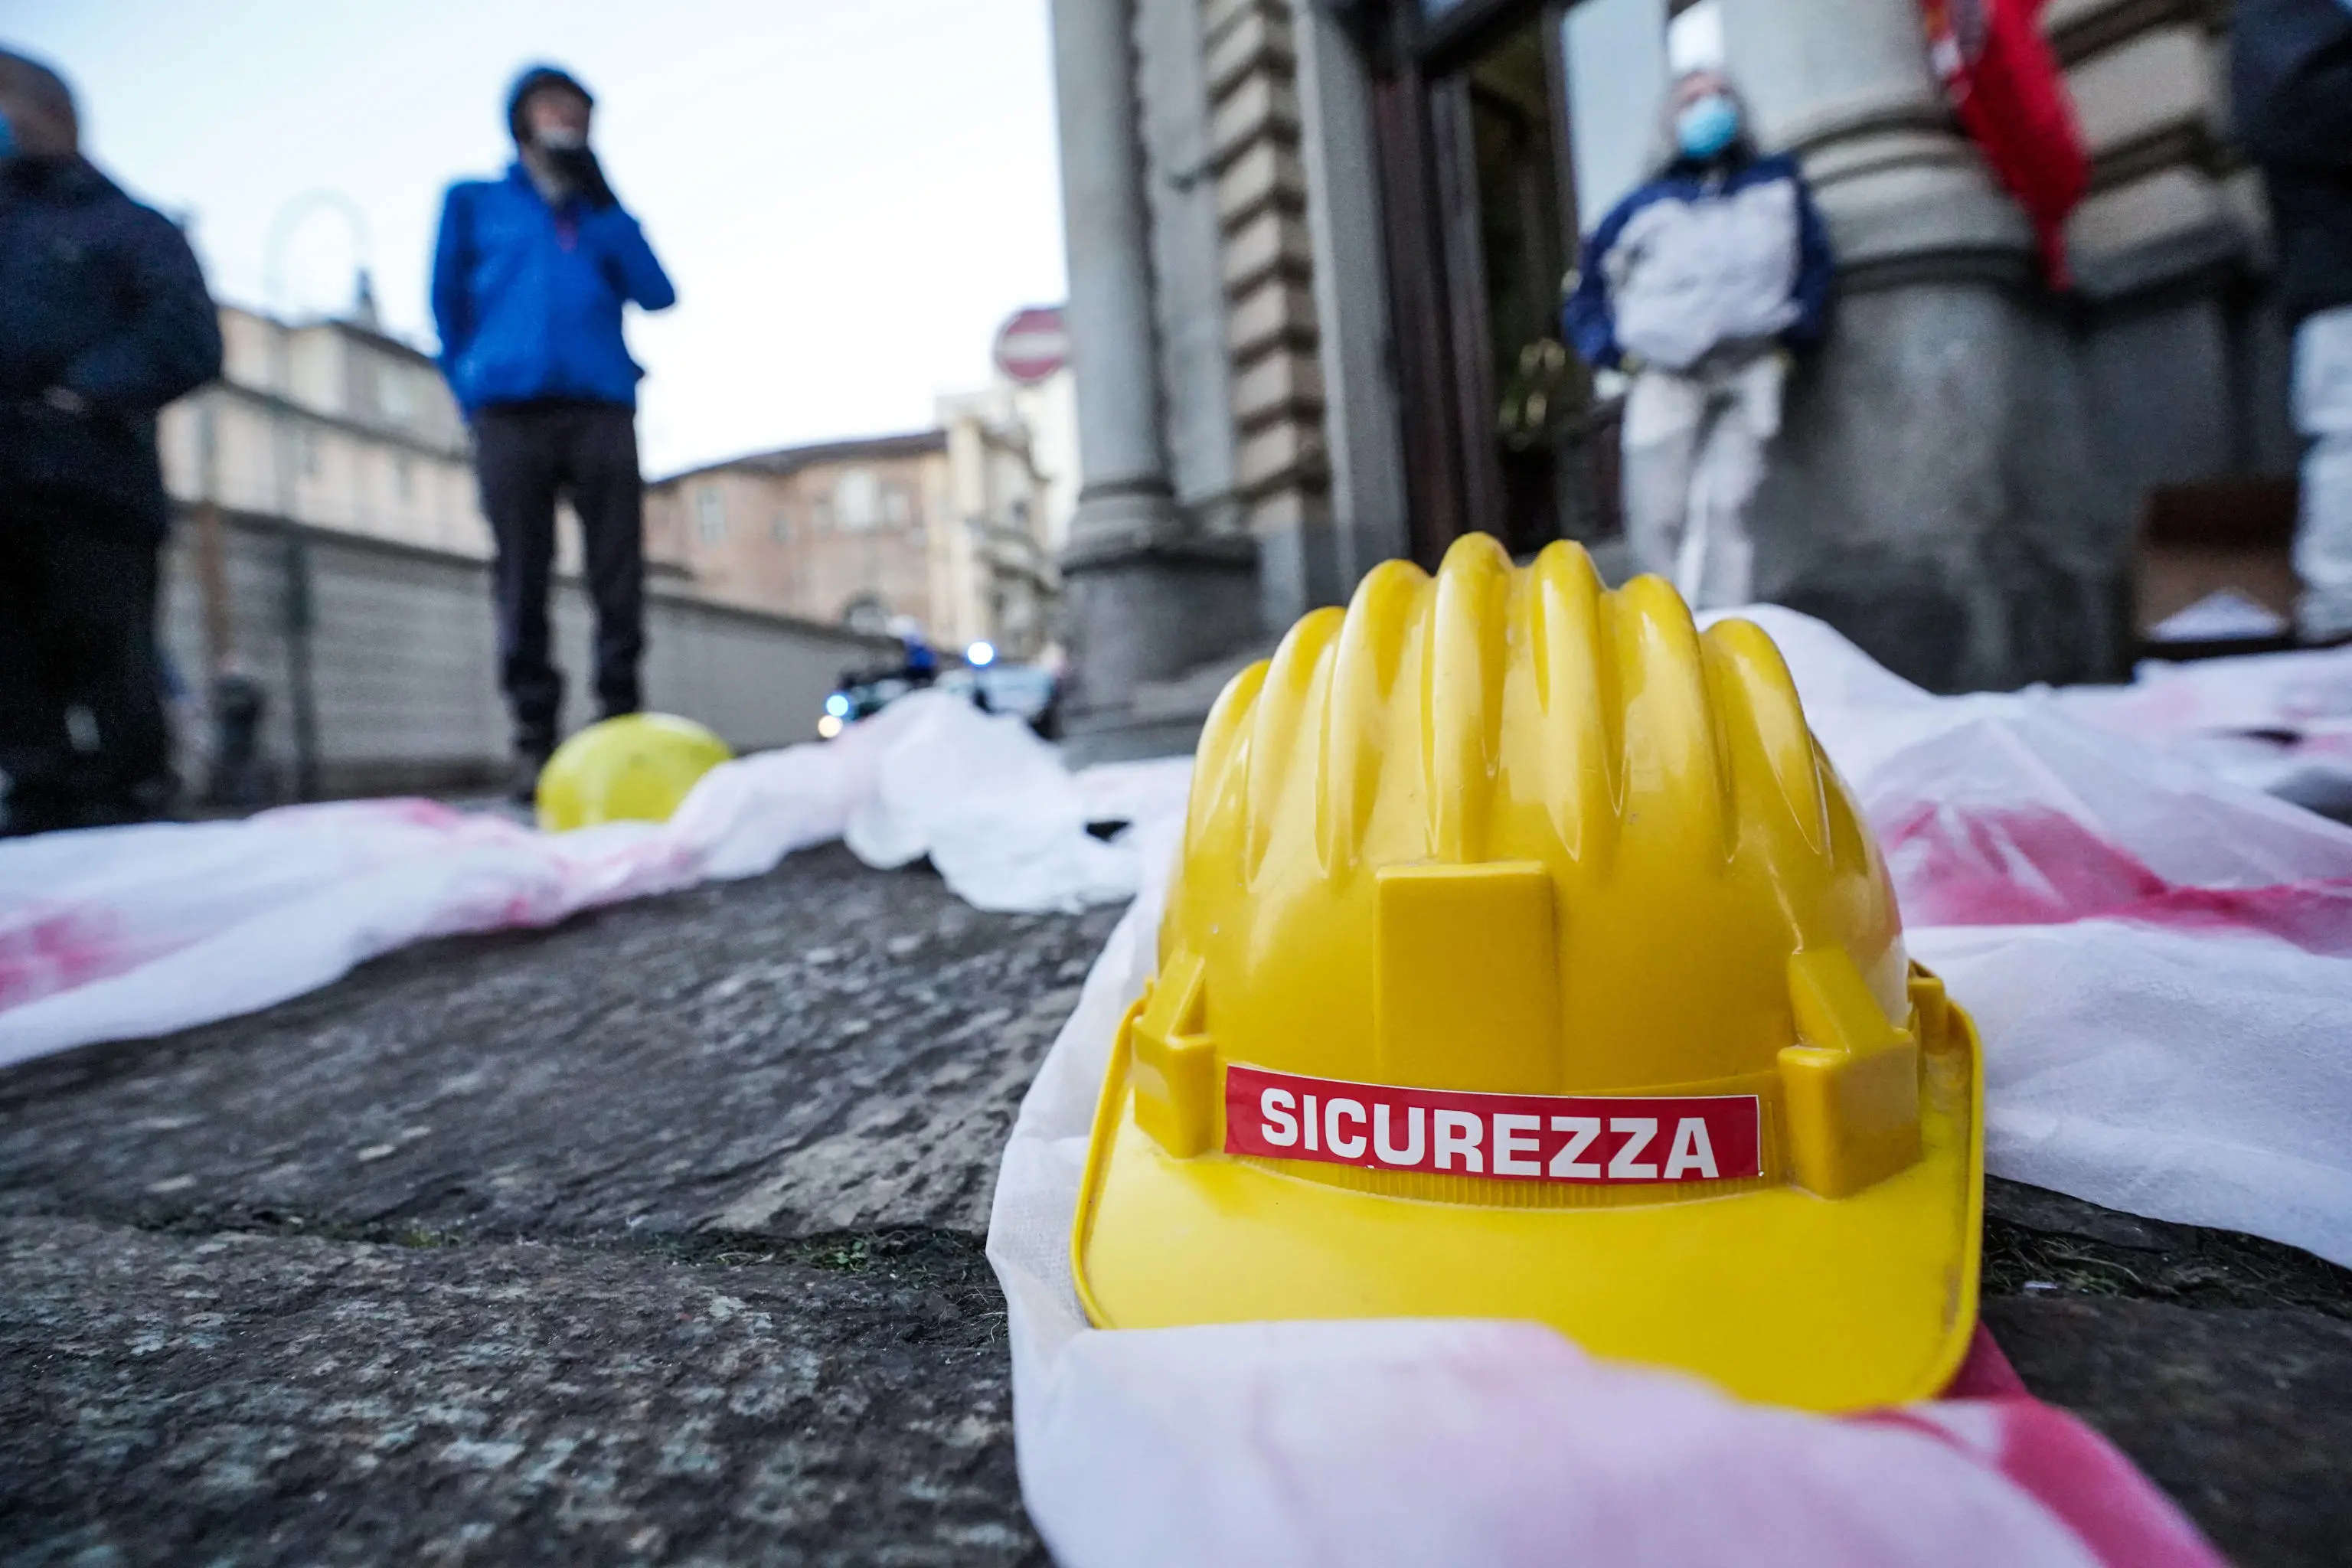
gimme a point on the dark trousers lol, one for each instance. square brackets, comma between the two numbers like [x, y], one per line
[525, 456]
[77, 631]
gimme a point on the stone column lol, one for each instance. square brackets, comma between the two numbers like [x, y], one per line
[1932, 492]
[1147, 594]
[1353, 337]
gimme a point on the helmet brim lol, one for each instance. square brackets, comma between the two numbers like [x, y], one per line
[1771, 1294]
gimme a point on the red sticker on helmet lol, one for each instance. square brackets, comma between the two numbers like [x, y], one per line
[1597, 1139]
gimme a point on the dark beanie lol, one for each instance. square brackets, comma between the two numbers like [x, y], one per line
[532, 79]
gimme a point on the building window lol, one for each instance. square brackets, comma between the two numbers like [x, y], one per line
[710, 514]
[306, 444]
[857, 501]
[895, 509]
[403, 482]
[780, 529]
[821, 514]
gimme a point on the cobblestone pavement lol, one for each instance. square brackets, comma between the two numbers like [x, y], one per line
[658, 1236]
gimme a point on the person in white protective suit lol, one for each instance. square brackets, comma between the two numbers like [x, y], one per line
[1698, 286]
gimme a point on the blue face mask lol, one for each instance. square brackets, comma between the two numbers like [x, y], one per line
[1705, 128]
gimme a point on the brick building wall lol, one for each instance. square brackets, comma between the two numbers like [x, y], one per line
[812, 531]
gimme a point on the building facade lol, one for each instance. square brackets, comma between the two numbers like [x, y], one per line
[836, 532]
[334, 424]
[950, 528]
[331, 424]
[1317, 250]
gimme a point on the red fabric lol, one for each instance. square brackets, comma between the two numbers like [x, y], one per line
[1986, 1373]
[2118, 1513]
[2005, 84]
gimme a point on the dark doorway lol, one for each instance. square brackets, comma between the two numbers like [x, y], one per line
[1505, 430]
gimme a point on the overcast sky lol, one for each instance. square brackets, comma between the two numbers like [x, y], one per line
[849, 197]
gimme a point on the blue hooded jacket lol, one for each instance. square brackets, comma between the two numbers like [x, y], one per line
[527, 297]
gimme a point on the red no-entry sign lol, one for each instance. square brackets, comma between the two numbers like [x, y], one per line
[1033, 344]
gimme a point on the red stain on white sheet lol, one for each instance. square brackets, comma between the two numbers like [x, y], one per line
[1957, 866]
[44, 950]
[2067, 1468]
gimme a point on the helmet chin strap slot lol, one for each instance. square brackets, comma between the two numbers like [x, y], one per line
[1175, 1062]
[1850, 1092]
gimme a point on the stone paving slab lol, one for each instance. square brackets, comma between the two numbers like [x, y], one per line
[824, 1049]
[2244, 1416]
[264, 1398]
[2222, 1363]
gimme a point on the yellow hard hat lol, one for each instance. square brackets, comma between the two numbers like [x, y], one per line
[1527, 958]
[638, 767]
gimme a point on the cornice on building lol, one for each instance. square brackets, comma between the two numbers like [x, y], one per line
[784, 460]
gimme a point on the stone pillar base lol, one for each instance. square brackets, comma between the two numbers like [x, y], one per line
[1933, 492]
[1299, 570]
[1933, 496]
[1143, 610]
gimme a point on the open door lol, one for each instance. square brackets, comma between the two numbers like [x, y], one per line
[1505, 430]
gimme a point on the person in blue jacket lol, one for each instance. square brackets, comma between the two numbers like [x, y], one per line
[1698, 286]
[529, 276]
[104, 319]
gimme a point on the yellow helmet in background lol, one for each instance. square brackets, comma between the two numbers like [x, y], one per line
[1527, 958]
[639, 767]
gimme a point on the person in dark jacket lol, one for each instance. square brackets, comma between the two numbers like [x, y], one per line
[1697, 286]
[104, 318]
[529, 276]
[2292, 85]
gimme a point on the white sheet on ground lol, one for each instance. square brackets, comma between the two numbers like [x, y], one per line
[1432, 1442]
[2280, 722]
[122, 933]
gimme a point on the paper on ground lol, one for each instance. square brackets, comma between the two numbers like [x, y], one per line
[122, 933]
[2278, 722]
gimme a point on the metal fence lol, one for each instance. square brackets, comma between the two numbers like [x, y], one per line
[378, 661]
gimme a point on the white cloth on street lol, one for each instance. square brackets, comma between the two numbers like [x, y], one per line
[1694, 455]
[2323, 410]
[117, 932]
